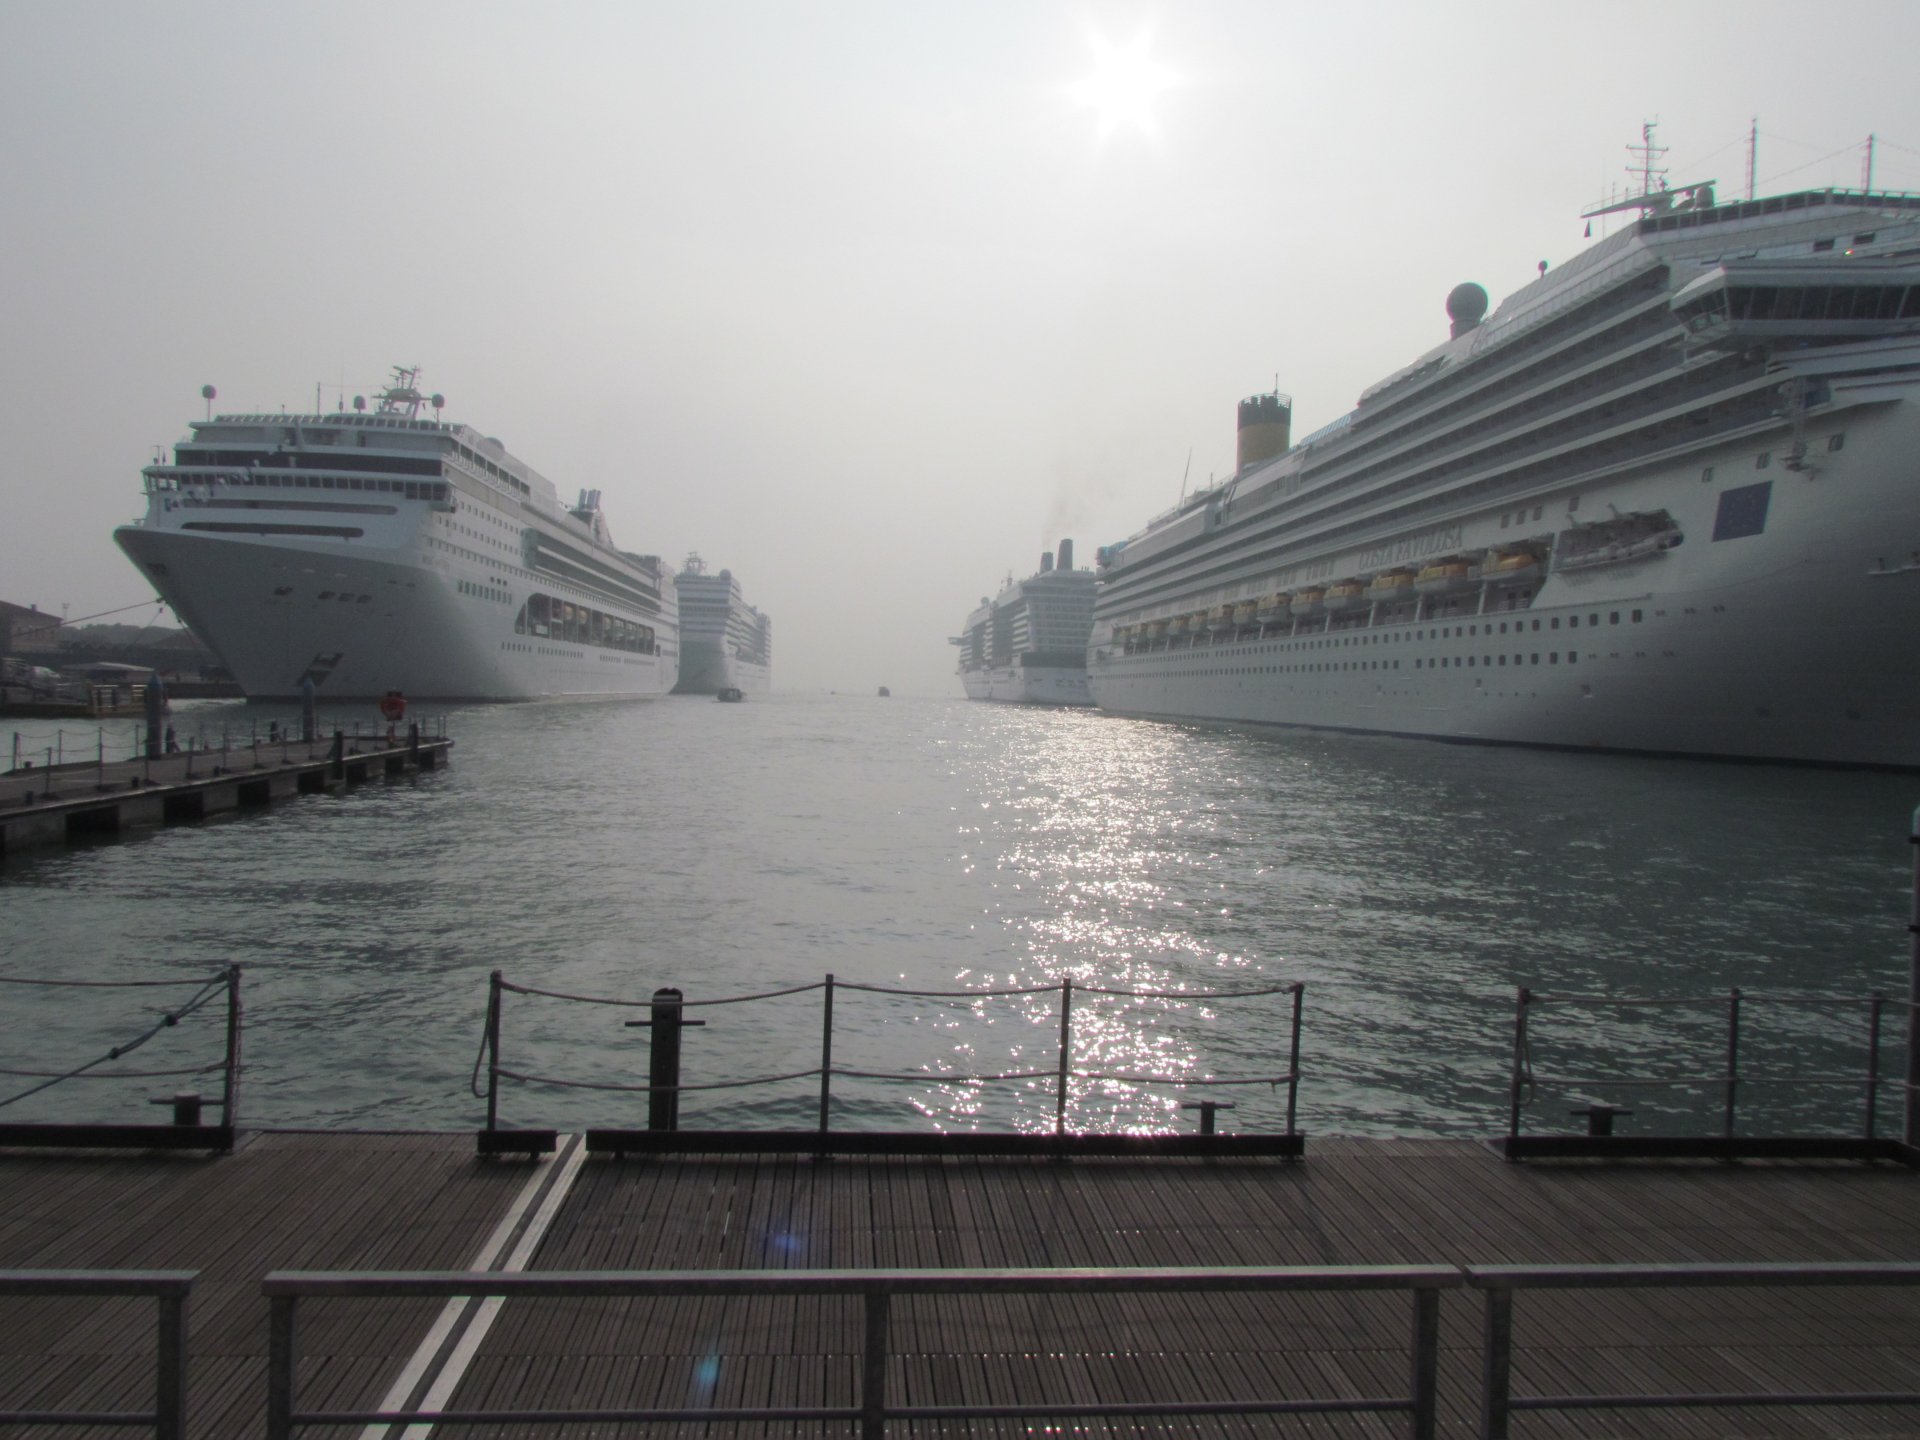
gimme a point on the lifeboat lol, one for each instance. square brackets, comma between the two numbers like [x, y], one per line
[1307, 602]
[1221, 618]
[1157, 630]
[1443, 577]
[1391, 585]
[1344, 595]
[1506, 566]
[1244, 613]
[1274, 607]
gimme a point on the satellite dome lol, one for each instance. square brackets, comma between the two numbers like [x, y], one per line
[1466, 306]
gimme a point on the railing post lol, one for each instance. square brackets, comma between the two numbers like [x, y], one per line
[493, 1052]
[1875, 1004]
[826, 1054]
[663, 1070]
[1519, 1061]
[1293, 1063]
[230, 1090]
[1426, 1362]
[1496, 1362]
[873, 1370]
[170, 1390]
[1066, 1051]
[282, 1355]
[1733, 1054]
[1910, 1109]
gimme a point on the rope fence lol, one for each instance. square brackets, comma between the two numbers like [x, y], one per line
[667, 1009]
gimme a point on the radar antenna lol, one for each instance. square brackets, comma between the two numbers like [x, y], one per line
[1647, 152]
[401, 397]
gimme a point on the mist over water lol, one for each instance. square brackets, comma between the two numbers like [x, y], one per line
[606, 850]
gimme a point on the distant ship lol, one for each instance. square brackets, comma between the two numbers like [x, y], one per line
[1660, 500]
[375, 552]
[725, 644]
[1028, 645]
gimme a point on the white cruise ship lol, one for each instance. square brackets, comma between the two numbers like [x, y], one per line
[725, 643]
[1028, 645]
[1663, 500]
[369, 552]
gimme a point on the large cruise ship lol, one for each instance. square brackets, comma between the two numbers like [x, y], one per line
[725, 644]
[1663, 499]
[1028, 645]
[369, 552]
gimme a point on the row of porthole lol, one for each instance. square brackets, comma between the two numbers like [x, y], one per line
[1321, 666]
[484, 592]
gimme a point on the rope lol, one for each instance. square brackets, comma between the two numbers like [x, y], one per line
[946, 994]
[1746, 996]
[116, 1074]
[106, 984]
[172, 1017]
[1190, 994]
[681, 1005]
[962, 1079]
[662, 1089]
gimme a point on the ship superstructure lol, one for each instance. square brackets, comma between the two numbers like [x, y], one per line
[1028, 645]
[725, 643]
[373, 551]
[1663, 499]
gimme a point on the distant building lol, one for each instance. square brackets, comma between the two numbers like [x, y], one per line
[27, 630]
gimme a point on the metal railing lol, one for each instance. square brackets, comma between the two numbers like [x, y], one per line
[1729, 1080]
[876, 1289]
[170, 1289]
[1499, 1282]
[667, 1016]
[186, 1129]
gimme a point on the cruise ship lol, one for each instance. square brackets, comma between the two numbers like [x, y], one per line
[1663, 499]
[725, 644]
[369, 551]
[1028, 645]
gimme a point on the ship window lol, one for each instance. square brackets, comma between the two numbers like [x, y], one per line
[1534, 659]
[1573, 622]
[1743, 511]
[1503, 660]
[1636, 617]
[1503, 522]
[1536, 511]
[1613, 617]
[1573, 657]
[1536, 624]
[1706, 475]
[1556, 622]
[1763, 460]
[1593, 619]
[1836, 440]
[1553, 658]
[1820, 245]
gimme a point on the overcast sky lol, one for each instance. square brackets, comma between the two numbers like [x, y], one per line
[869, 303]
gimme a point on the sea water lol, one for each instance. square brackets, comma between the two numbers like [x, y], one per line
[603, 851]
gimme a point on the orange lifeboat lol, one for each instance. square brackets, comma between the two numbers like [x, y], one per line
[1307, 602]
[1391, 585]
[1344, 595]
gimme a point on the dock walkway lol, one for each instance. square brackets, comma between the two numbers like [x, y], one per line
[297, 1201]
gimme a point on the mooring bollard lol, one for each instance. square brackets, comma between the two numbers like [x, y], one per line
[1206, 1109]
[186, 1106]
[1600, 1118]
[337, 758]
[663, 1063]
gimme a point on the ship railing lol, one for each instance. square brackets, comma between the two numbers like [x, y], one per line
[187, 1130]
[169, 1289]
[668, 1018]
[1721, 1021]
[872, 1404]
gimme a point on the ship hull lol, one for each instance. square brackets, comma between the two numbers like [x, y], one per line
[1795, 643]
[259, 606]
[1028, 685]
[707, 667]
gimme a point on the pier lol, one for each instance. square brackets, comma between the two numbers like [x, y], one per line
[1358, 1226]
[62, 803]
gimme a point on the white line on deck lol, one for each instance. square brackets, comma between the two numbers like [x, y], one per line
[440, 1361]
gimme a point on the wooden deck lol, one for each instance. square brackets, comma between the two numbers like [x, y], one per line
[357, 1202]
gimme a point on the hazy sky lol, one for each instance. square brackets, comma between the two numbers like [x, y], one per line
[868, 302]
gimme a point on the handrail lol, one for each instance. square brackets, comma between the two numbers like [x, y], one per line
[1499, 1282]
[170, 1288]
[876, 1288]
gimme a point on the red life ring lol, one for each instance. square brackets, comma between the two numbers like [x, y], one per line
[393, 705]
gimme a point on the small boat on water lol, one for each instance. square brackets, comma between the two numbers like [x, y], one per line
[729, 695]
[885, 692]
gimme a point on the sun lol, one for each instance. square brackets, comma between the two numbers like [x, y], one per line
[1124, 86]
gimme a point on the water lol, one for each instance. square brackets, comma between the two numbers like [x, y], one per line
[605, 850]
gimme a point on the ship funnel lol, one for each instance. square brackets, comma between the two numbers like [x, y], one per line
[1066, 554]
[1266, 428]
[1046, 561]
